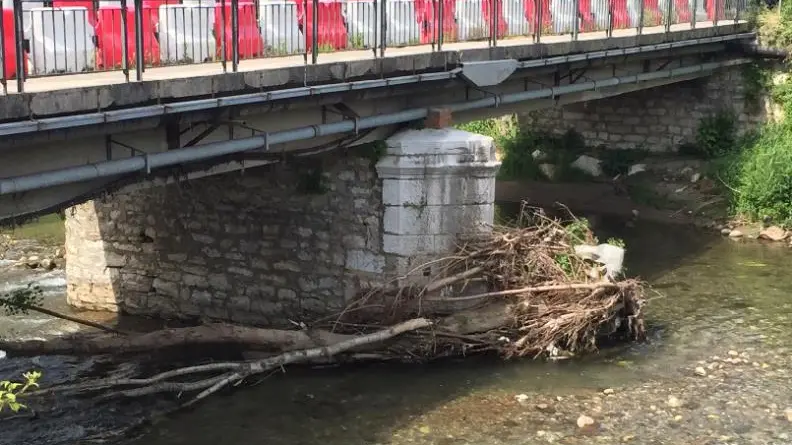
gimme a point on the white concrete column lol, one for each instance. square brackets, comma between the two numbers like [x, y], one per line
[437, 184]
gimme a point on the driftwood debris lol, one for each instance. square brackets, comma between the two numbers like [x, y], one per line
[518, 291]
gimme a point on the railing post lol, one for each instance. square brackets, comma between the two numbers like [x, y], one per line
[538, 22]
[3, 52]
[668, 12]
[576, 24]
[609, 30]
[139, 63]
[494, 22]
[234, 35]
[306, 47]
[222, 36]
[717, 14]
[124, 40]
[440, 24]
[642, 5]
[383, 43]
[315, 29]
[693, 15]
[737, 9]
[20, 47]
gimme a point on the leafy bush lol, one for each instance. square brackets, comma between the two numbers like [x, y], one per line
[763, 175]
[10, 391]
[716, 136]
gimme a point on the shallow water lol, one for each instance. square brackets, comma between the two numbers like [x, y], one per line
[713, 295]
[716, 294]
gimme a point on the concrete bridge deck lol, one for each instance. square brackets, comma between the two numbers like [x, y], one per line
[91, 92]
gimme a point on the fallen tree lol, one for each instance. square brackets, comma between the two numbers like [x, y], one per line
[518, 291]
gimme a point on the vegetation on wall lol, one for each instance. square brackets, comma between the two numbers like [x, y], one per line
[756, 168]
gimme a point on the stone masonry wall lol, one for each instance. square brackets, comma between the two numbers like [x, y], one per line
[263, 246]
[658, 119]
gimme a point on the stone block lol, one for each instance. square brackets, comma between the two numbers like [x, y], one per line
[439, 118]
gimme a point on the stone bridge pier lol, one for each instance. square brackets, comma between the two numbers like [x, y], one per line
[287, 241]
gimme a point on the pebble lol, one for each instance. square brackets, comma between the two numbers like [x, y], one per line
[674, 402]
[521, 398]
[735, 234]
[725, 231]
[733, 353]
[543, 407]
[788, 414]
[608, 391]
[700, 371]
[586, 424]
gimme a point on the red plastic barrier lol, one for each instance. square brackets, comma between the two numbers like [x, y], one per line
[87, 4]
[332, 32]
[530, 14]
[248, 37]
[652, 14]
[9, 63]
[428, 12]
[587, 23]
[486, 10]
[621, 15]
[109, 33]
[682, 9]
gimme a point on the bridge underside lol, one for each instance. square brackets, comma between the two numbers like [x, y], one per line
[40, 167]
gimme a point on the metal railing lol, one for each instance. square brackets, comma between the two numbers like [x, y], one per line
[58, 37]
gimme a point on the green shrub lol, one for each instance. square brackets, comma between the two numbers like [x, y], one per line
[716, 136]
[763, 175]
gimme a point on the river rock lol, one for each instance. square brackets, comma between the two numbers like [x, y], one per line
[725, 231]
[548, 170]
[588, 165]
[60, 252]
[674, 402]
[700, 371]
[735, 234]
[2, 354]
[522, 399]
[773, 233]
[47, 264]
[32, 262]
[695, 178]
[586, 424]
[635, 169]
[787, 413]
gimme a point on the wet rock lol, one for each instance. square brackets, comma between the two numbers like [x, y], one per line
[32, 262]
[695, 178]
[735, 234]
[700, 371]
[725, 231]
[586, 424]
[548, 170]
[674, 402]
[2, 354]
[635, 169]
[47, 264]
[773, 233]
[588, 165]
[522, 399]
[545, 408]
[539, 155]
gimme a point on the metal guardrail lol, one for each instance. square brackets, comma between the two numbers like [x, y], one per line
[58, 37]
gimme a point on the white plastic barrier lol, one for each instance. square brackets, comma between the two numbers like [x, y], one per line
[599, 9]
[564, 16]
[363, 23]
[280, 27]
[26, 7]
[186, 33]
[470, 20]
[62, 41]
[514, 14]
[634, 10]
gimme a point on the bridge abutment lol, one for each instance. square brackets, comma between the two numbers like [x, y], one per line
[282, 242]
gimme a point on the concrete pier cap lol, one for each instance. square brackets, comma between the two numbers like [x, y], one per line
[437, 184]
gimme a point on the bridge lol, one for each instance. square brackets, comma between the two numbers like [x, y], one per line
[233, 189]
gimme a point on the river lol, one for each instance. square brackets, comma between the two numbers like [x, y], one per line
[714, 371]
